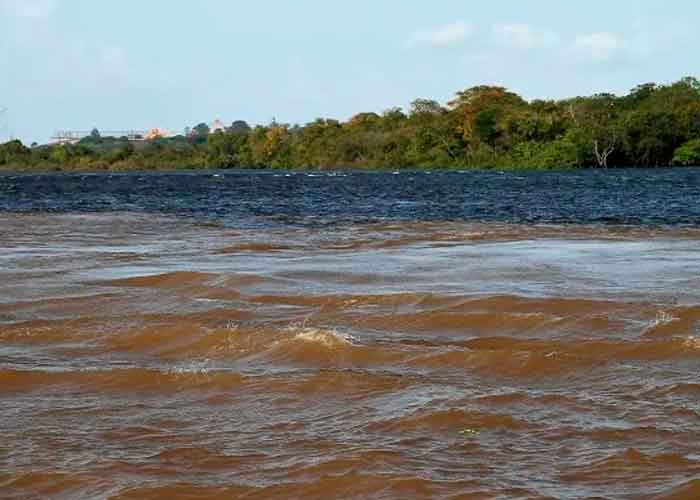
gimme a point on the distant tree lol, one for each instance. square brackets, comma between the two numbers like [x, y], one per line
[639, 95]
[14, 152]
[489, 106]
[239, 127]
[425, 107]
[201, 130]
[557, 154]
[121, 154]
[200, 133]
[363, 121]
[486, 126]
[650, 137]
[483, 127]
[392, 119]
[597, 126]
[222, 149]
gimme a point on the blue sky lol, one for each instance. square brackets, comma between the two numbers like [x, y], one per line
[78, 64]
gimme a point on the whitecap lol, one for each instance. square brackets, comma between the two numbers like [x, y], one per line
[327, 338]
[692, 343]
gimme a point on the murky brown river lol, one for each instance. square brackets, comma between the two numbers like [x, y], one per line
[149, 357]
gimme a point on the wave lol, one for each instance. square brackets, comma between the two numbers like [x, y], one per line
[351, 278]
[363, 483]
[450, 420]
[452, 322]
[329, 339]
[518, 358]
[389, 236]
[182, 490]
[327, 348]
[345, 384]
[183, 279]
[340, 302]
[165, 280]
[21, 486]
[689, 490]
[255, 247]
[224, 287]
[630, 463]
[351, 484]
[173, 379]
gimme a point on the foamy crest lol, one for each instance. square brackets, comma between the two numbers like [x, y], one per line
[327, 338]
[197, 371]
[662, 318]
[692, 342]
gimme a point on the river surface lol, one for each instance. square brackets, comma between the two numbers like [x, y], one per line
[273, 335]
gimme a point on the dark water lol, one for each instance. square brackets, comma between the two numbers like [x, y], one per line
[350, 335]
[649, 197]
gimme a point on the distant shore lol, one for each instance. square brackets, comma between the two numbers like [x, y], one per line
[484, 127]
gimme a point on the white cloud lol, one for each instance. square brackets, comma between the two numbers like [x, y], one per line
[599, 47]
[34, 9]
[524, 36]
[445, 36]
[47, 58]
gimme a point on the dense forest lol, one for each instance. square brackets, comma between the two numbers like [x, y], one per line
[483, 127]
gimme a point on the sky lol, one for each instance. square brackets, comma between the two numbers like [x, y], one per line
[134, 64]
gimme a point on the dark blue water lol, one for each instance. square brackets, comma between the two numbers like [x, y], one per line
[667, 197]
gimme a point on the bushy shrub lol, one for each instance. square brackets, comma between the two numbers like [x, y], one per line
[546, 155]
[688, 154]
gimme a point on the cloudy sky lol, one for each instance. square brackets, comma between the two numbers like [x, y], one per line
[134, 64]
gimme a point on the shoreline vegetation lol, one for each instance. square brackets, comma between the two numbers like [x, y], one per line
[483, 127]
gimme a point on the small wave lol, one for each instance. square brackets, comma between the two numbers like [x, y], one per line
[327, 338]
[166, 280]
[182, 490]
[627, 464]
[320, 347]
[342, 383]
[507, 363]
[677, 390]
[262, 247]
[455, 322]
[512, 357]
[692, 343]
[335, 302]
[119, 379]
[451, 420]
[689, 490]
[345, 481]
[43, 485]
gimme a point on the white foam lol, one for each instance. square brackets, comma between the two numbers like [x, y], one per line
[692, 343]
[662, 318]
[194, 368]
[327, 338]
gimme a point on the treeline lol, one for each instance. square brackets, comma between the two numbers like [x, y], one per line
[483, 127]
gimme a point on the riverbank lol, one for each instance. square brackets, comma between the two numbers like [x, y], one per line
[483, 127]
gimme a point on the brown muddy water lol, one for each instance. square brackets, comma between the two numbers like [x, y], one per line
[153, 357]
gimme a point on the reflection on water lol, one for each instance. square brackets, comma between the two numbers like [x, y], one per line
[148, 356]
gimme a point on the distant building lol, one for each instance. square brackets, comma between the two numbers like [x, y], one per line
[156, 133]
[75, 136]
[217, 126]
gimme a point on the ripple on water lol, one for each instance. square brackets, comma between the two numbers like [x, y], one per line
[345, 346]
